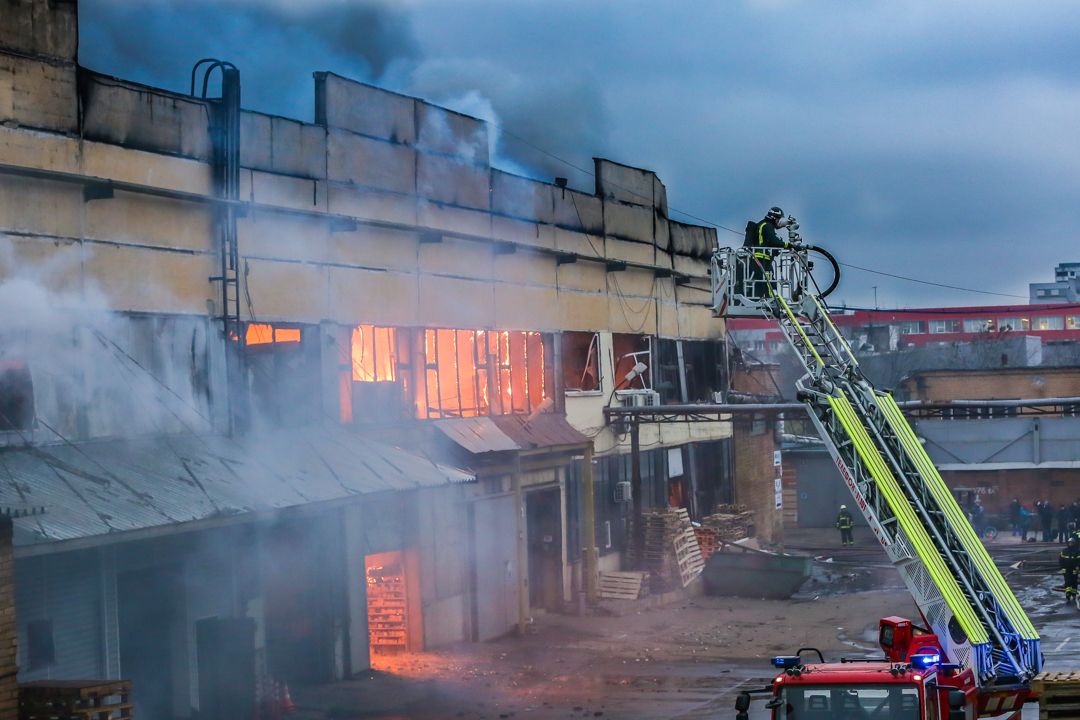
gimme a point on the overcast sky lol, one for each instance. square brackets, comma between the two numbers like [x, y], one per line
[928, 139]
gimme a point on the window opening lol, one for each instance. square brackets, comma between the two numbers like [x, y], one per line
[16, 396]
[581, 361]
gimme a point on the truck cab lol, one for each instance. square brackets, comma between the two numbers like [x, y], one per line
[913, 681]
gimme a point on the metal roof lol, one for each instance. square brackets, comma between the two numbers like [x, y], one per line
[499, 433]
[104, 487]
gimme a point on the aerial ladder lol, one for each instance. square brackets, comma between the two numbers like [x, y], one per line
[962, 596]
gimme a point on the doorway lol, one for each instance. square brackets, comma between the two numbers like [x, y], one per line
[543, 513]
[393, 608]
[148, 602]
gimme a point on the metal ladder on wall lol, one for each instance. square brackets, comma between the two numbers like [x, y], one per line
[912, 512]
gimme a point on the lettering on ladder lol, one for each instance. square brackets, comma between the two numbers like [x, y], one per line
[861, 502]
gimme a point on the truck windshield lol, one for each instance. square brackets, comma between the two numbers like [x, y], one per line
[849, 702]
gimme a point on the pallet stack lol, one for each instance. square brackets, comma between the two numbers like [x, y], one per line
[730, 522]
[671, 549]
[1059, 695]
[76, 700]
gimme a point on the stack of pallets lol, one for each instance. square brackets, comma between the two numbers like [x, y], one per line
[1059, 695]
[75, 700]
[708, 541]
[671, 549]
[730, 522]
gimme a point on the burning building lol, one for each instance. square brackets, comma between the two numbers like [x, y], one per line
[329, 390]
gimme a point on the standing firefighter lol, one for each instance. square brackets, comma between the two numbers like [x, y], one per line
[1069, 560]
[846, 524]
[762, 237]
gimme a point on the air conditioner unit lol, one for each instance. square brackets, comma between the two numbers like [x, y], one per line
[637, 398]
[623, 493]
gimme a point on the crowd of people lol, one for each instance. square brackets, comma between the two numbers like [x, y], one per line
[1043, 521]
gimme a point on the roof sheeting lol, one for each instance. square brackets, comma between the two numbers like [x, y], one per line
[105, 487]
[500, 433]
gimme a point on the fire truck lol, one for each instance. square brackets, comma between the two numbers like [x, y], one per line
[973, 652]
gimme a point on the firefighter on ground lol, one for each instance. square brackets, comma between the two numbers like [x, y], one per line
[845, 523]
[1069, 561]
[762, 237]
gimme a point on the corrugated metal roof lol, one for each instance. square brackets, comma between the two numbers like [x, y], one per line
[103, 487]
[498, 433]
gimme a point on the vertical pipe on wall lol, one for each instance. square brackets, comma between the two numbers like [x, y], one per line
[588, 532]
[522, 556]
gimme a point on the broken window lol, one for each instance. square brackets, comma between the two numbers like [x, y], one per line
[630, 352]
[375, 388]
[581, 361]
[480, 372]
[16, 396]
[283, 374]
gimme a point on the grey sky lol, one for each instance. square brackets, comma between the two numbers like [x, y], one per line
[935, 140]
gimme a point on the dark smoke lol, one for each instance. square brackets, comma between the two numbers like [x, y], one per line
[277, 44]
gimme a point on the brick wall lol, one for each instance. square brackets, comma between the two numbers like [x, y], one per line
[755, 475]
[9, 689]
[1040, 382]
[997, 488]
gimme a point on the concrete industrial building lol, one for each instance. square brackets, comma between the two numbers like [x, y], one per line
[258, 362]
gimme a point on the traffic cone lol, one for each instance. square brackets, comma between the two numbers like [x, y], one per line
[287, 705]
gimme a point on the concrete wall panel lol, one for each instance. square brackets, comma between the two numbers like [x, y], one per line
[583, 311]
[629, 221]
[521, 197]
[634, 284]
[145, 220]
[468, 222]
[450, 133]
[631, 315]
[578, 210]
[40, 206]
[386, 298]
[692, 266]
[147, 168]
[287, 291]
[282, 145]
[372, 204]
[375, 247]
[132, 115]
[284, 191]
[698, 322]
[39, 150]
[372, 163]
[289, 237]
[352, 105]
[454, 303]
[41, 27]
[457, 257]
[150, 280]
[583, 276]
[525, 267]
[579, 243]
[524, 307]
[54, 264]
[38, 94]
[626, 184]
[450, 181]
[526, 233]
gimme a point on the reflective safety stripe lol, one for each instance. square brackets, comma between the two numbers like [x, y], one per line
[957, 520]
[797, 326]
[909, 521]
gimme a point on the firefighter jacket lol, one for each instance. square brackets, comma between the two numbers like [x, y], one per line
[844, 521]
[761, 235]
[1069, 561]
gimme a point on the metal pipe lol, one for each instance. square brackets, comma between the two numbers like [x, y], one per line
[589, 527]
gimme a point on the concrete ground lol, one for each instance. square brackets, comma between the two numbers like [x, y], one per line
[684, 660]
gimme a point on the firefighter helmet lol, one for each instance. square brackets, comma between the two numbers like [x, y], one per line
[774, 213]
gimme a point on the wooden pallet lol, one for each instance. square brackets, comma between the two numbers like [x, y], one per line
[1059, 695]
[623, 585]
[688, 556]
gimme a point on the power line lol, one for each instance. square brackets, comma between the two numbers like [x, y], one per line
[930, 282]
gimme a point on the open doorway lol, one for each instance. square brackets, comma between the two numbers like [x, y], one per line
[543, 510]
[149, 606]
[393, 607]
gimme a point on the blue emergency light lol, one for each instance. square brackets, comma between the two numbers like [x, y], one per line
[925, 660]
[786, 661]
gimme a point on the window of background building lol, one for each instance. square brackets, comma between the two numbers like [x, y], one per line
[1050, 322]
[16, 396]
[1013, 324]
[913, 327]
[938, 327]
[581, 361]
[974, 325]
[1072, 322]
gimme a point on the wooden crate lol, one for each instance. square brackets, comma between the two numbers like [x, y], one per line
[1059, 695]
[75, 700]
[623, 585]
